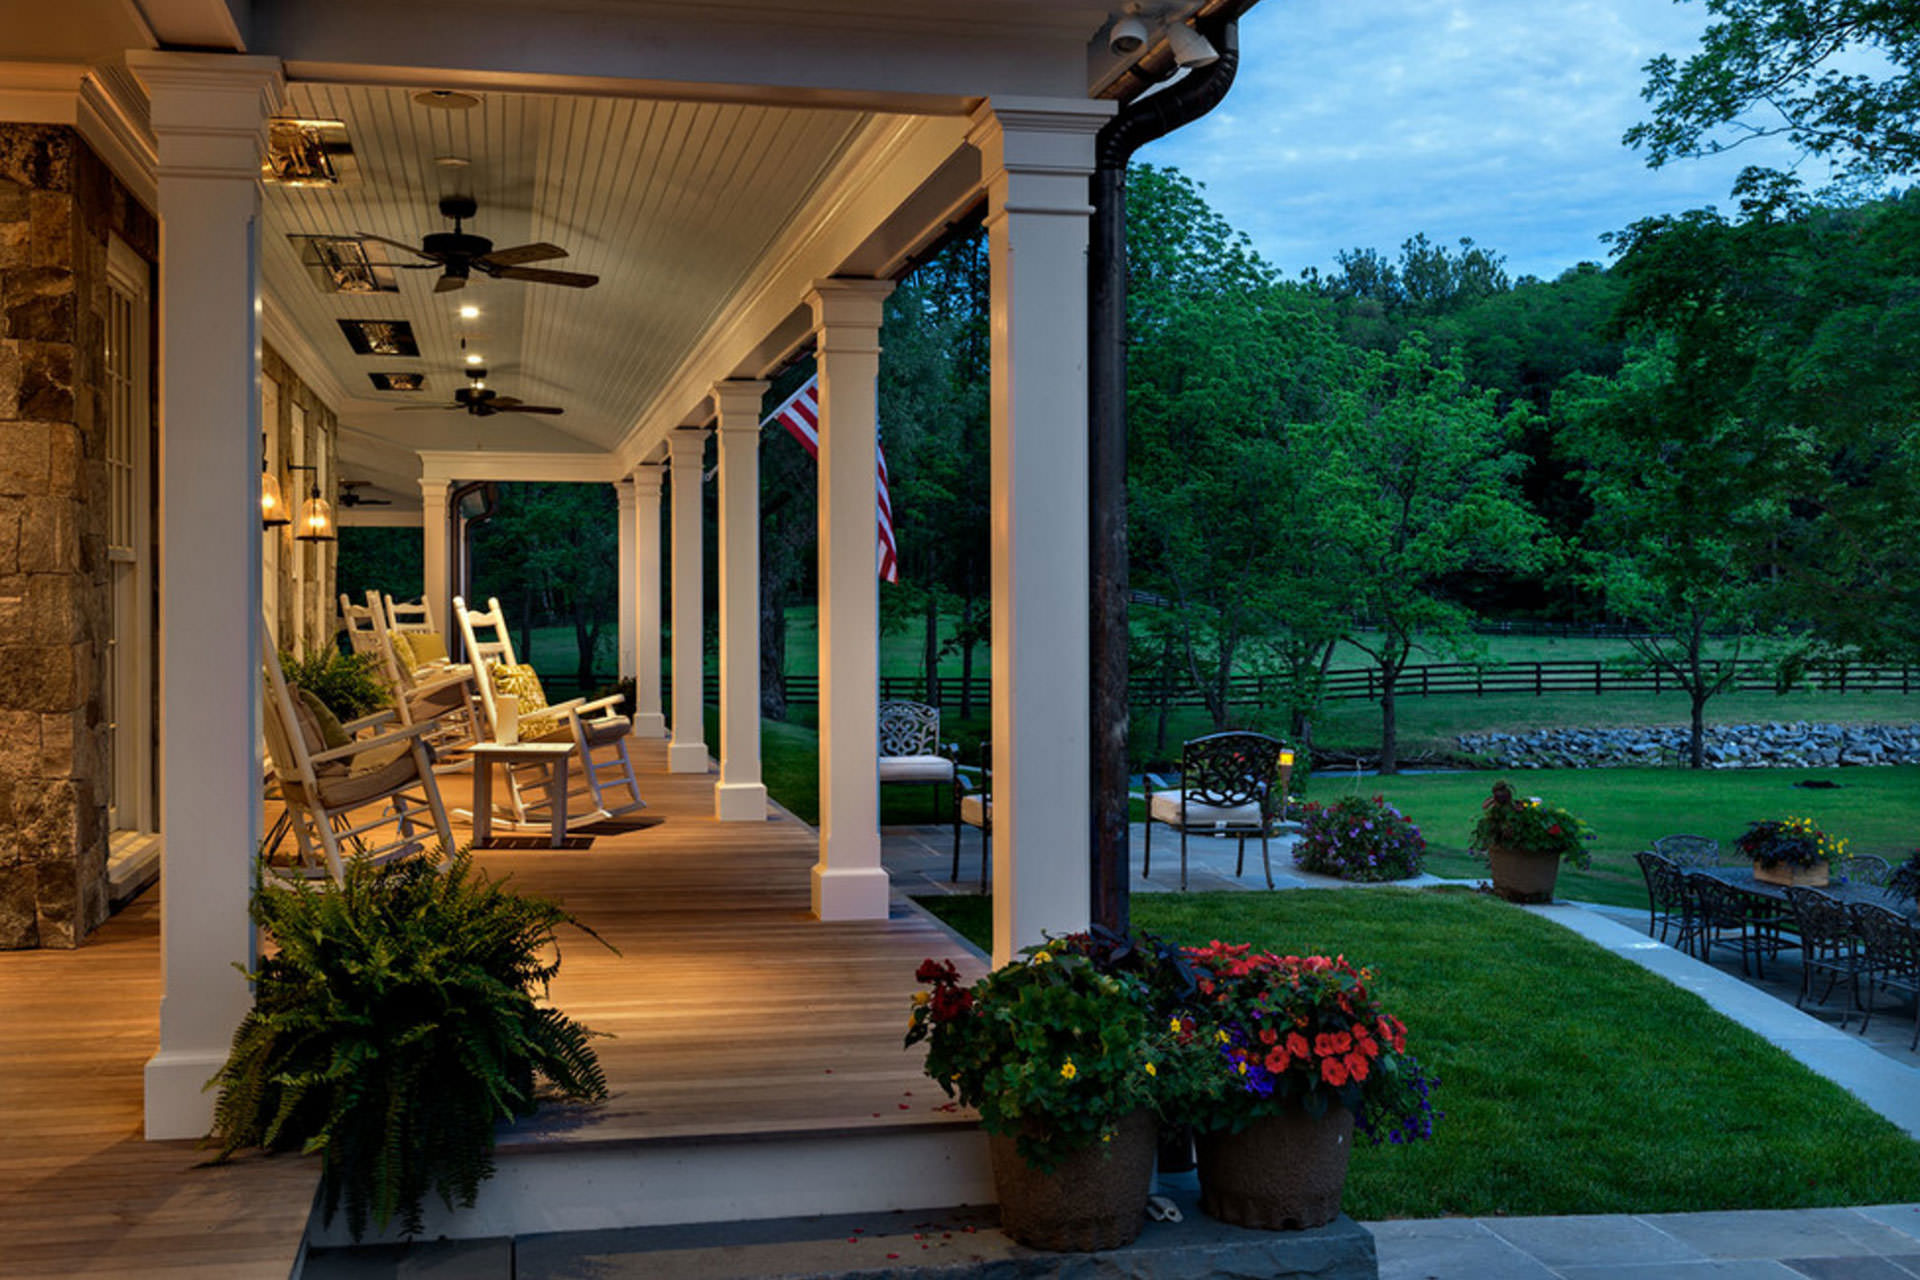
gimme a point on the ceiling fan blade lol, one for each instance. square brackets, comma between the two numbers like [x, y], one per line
[539, 275]
[425, 408]
[373, 502]
[533, 408]
[415, 250]
[449, 282]
[523, 253]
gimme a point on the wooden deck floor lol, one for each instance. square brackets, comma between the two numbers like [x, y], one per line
[731, 1011]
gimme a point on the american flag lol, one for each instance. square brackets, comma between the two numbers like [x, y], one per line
[799, 413]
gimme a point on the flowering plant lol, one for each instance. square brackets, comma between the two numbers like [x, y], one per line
[1268, 1032]
[1793, 841]
[1359, 838]
[1530, 826]
[1052, 1049]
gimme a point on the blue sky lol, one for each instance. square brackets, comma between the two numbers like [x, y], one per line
[1359, 124]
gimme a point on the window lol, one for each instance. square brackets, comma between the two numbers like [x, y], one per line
[128, 693]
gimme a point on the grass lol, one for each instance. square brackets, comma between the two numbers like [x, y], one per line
[1877, 810]
[1572, 1080]
[790, 768]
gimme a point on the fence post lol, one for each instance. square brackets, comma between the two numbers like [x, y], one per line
[1596, 678]
[1537, 690]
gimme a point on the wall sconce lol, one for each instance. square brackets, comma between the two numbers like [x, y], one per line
[316, 513]
[273, 508]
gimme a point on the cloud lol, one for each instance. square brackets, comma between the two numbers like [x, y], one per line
[1360, 125]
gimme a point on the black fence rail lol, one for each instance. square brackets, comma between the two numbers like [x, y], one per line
[1538, 679]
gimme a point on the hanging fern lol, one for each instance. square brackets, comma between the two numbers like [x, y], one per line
[348, 683]
[393, 1028]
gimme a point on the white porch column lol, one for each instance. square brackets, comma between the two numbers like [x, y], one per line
[207, 112]
[434, 588]
[740, 795]
[688, 751]
[1035, 159]
[848, 882]
[648, 722]
[624, 492]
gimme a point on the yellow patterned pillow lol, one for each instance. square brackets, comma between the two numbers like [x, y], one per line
[523, 682]
[428, 647]
[402, 651]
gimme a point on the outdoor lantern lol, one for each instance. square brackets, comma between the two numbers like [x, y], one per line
[316, 513]
[273, 508]
[1286, 771]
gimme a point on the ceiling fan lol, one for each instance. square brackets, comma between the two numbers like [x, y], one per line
[483, 402]
[458, 255]
[350, 495]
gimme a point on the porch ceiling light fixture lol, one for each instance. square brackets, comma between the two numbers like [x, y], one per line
[446, 99]
[307, 153]
[1129, 35]
[398, 381]
[316, 513]
[346, 264]
[380, 337]
[1190, 48]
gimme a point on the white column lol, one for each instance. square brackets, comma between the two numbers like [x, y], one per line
[207, 112]
[434, 588]
[648, 722]
[1035, 161]
[624, 492]
[688, 752]
[848, 882]
[740, 795]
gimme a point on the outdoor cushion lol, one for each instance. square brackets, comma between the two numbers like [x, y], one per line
[369, 783]
[320, 729]
[976, 810]
[438, 701]
[1166, 808]
[599, 732]
[916, 769]
[428, 648]
[523, 682]
[402, 651]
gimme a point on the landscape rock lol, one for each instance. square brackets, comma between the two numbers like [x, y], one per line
[1726, 746]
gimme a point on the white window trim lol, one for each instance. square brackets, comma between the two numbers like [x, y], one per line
[129, 274]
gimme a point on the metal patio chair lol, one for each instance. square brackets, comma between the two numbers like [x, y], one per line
[1229, 786]
[1828, 944]
[1890, 958]
[910, 749]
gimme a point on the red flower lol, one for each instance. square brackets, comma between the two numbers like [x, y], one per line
[1356, 1066]
[1268, 1035]
[1334, 1071]
[950, 1003]
[1330, 1044]
[1279, 1060]
[1297, 1044]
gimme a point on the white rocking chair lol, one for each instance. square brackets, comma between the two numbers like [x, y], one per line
[326, 788]
[434, 691]
[592, 725]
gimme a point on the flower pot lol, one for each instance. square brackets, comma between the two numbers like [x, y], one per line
[1284, 1173]
[1787, 873]
[1523, 877]
[1094, 1199]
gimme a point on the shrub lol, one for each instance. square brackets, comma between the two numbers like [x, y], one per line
[349, 684]
[393, 1027]
[1359, 838]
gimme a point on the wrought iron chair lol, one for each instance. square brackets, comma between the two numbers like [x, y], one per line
[1688, 851]
[1828, 945]
[1864, 868]
[1229, 786]
[1669, 905]
[910, 749]
[327, 785]
[973, 807]
[1890, 957]
[1724, 911]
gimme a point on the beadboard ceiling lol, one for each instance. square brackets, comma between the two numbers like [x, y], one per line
[672, 204]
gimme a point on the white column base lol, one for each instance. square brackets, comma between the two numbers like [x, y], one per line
[687, 757]
[740, 802]
[860, 894]
[649, 724]
[179, 1105]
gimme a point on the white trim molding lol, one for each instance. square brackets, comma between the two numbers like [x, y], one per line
[556, 468]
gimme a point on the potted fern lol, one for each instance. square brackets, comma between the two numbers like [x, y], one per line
[395, 1023]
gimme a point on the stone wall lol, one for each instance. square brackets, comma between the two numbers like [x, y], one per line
[58, 203]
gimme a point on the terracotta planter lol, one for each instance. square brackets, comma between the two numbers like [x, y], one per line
[1094, 1199]
[1285, 1173]
[1785, 873]
[1523, 877]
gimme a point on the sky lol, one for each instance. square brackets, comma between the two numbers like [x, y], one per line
[1358, 124]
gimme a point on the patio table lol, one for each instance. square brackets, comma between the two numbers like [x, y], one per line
[555, 755]
[1743, 879]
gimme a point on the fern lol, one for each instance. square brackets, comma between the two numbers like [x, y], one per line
[393, 1028]
[348, 683]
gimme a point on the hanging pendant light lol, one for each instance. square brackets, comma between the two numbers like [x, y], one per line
[316, 513]
[273, 508]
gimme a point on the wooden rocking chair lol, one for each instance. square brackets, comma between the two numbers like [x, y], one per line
[328, 778]
[592, 725]
[432, 690]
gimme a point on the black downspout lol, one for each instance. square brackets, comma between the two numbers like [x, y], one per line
[1138, 123]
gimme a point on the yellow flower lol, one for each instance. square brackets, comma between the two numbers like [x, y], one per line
[921, 997]
[1221, 1036]
[1242, 1067]
[1068, 1071]
[1106, 1136]
[1174, 1026]
[1041, 957]
[1152, 1070]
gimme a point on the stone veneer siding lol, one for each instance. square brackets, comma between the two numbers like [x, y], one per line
[322, 433]
[58, 203]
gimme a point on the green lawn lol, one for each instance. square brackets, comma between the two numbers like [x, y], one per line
[1572, 1081]
[790, 767]
[1876, 810]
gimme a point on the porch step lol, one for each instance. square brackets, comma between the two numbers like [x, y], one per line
[954, 1244]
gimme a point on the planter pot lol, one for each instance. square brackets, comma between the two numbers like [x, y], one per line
[1285, 1173]
[1785, 873]
[1523, 877]
[1094, 1199]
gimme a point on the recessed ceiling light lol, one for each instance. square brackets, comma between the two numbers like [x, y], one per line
[306, 153]
[380, 337]
[469, 312]
[398, 381]
[447, 99]
[473, 359]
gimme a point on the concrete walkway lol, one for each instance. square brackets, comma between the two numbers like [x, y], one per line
[1874, 1243]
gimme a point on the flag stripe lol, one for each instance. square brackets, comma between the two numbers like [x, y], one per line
[799, 413]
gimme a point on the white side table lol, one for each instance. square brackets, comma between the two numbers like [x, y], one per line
[487, 754]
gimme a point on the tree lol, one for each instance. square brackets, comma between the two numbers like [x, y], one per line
[1768, 69]
[1420, 487]
[553, 549]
